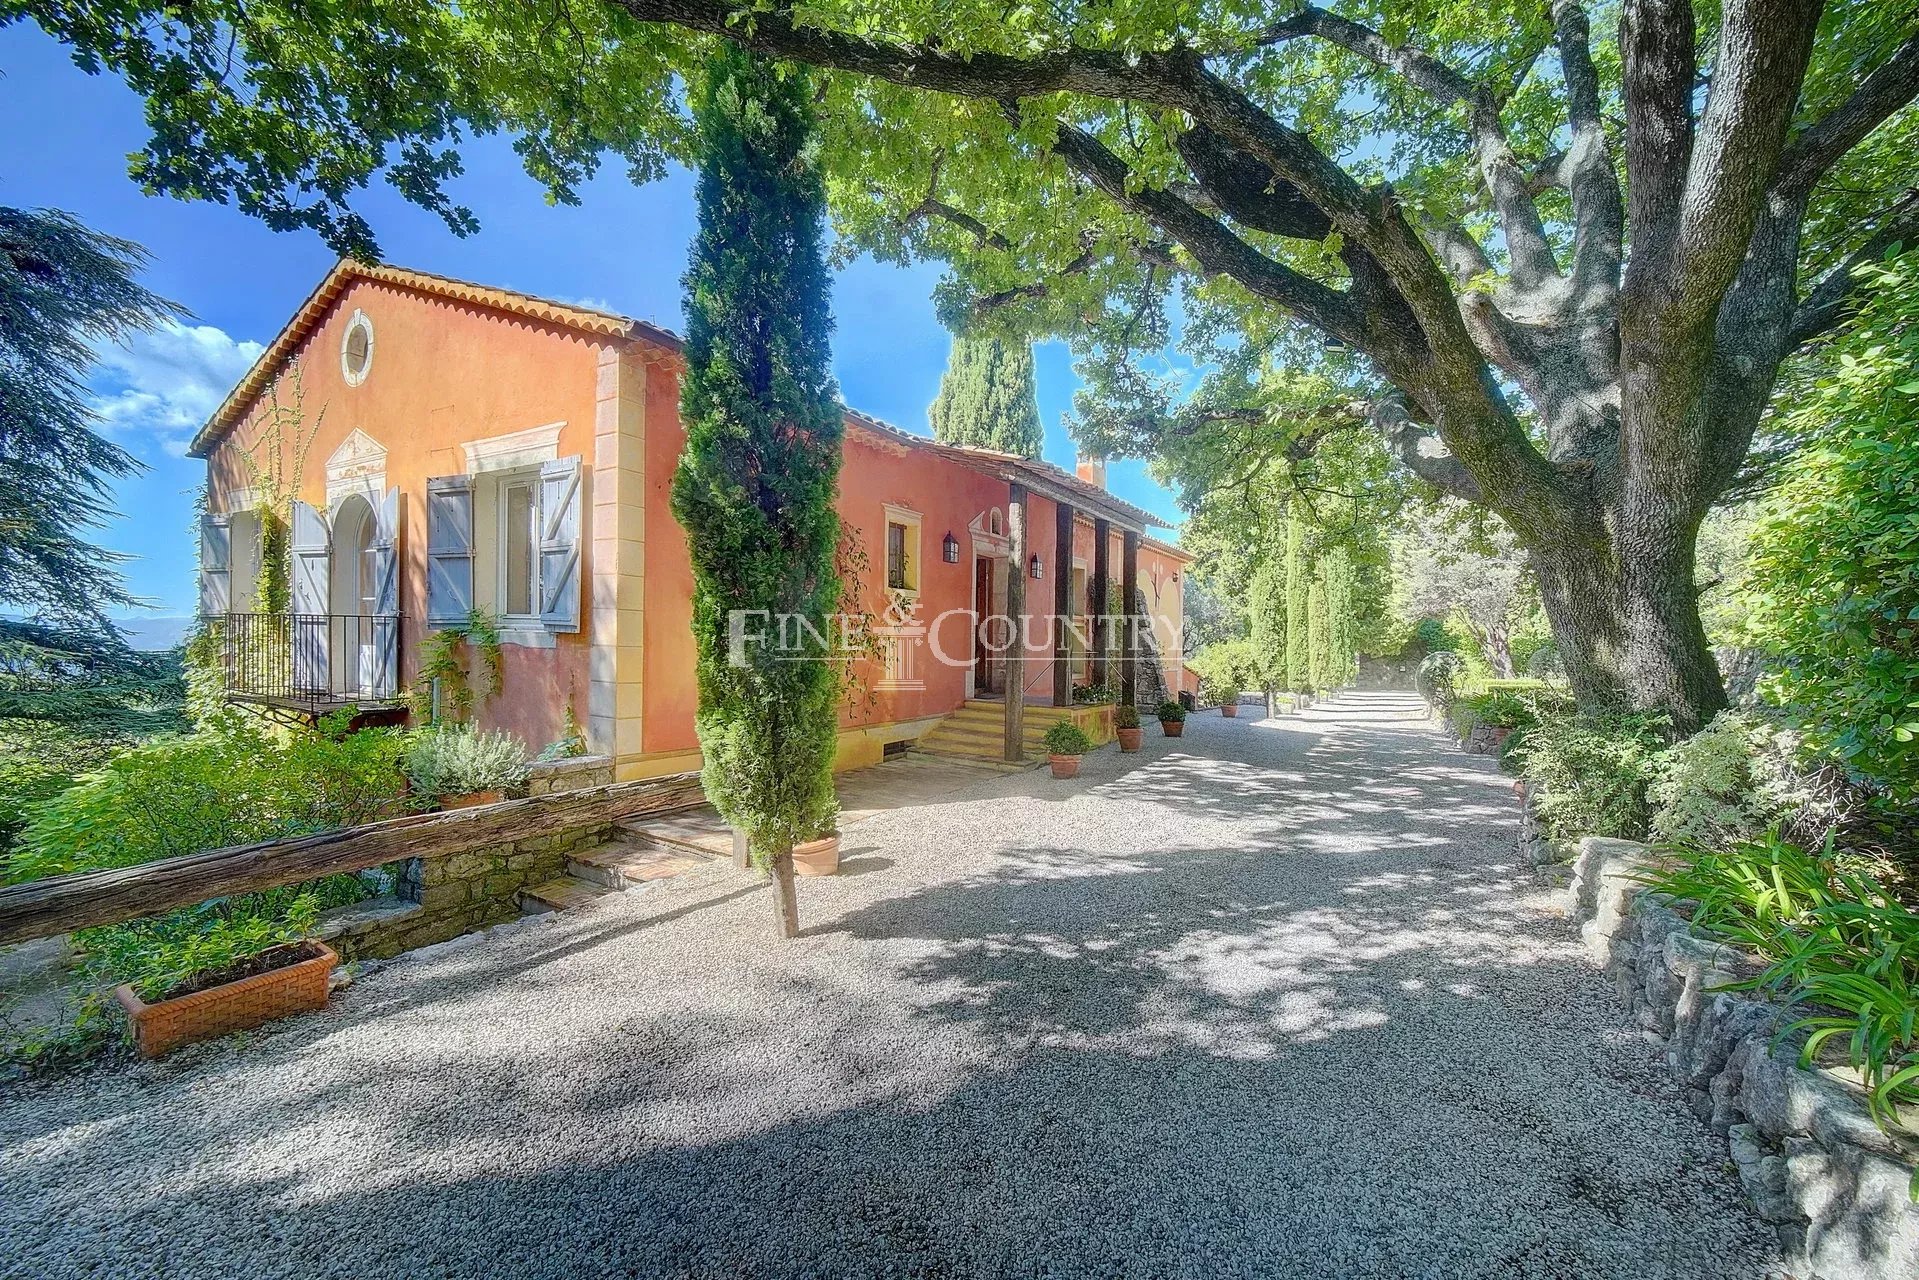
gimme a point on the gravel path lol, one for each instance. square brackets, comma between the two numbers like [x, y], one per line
[1268, 1000]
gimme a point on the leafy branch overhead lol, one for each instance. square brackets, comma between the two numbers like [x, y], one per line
[1498, 209]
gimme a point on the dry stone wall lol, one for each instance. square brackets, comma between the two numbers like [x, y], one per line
[1833, 1184]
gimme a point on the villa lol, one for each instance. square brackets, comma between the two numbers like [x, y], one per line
[455, 447]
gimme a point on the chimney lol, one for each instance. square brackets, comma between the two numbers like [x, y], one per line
[1092, 471]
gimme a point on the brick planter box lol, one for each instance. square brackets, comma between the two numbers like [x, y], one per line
[296, 987]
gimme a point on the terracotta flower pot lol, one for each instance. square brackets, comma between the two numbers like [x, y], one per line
[1173, 728]
[1229, 709]
[472, 799]
[1130, 739]
[1064, 766]
[297, 984]
[817, 857]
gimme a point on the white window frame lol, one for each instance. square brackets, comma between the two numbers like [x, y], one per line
[357, 323]
[506, 482]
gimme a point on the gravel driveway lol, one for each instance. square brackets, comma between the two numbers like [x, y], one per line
[1268, 1000]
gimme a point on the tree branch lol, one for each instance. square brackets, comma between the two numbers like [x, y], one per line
[1599, 216]
[1217, 250]
[1888, 87]
[1410, 443]
[1656, 42]
[1831, 300]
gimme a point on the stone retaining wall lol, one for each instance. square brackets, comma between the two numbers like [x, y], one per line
[1833, 1184]
[435, 899]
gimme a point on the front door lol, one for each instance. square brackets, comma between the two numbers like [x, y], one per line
[985, 667]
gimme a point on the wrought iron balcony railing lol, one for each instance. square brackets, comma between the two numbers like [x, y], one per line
[313, 662]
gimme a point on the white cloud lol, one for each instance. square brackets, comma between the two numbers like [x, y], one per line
[160, 386]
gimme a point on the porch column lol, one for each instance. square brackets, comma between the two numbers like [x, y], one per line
[1129, 618]
[1016, 610]
[1102, 635]
[1062, 601]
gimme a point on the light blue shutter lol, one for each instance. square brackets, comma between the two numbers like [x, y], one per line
[312, 546]
[383, 680]
[216, 564]
[449, 550]
[560, 544]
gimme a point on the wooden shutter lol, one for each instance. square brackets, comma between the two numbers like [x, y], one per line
[312, 547]
[449, 550]
[383, 681]
[216, 564]
[560, 543]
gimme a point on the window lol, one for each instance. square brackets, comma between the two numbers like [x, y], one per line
[902, 549]
[356, 349]
[519, 546]
[896, 556]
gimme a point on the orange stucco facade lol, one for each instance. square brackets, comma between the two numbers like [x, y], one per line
[388, 380]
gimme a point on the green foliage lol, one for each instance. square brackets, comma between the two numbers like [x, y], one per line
[1064, 738]
[445, 669]
[1499, 708]
[1126, 716]
[1093, 695]
[1431, 635]
[65, 291]
[756, 483]
[457, 759]
[1436, 679]
[157, 956]
[1724, 785]
[1592, 772]
[1264, 663]
[570, 743]
[987, 398]
[1832, 592]
[1298, 588]
[1228, 668]
[211, 789]
[1834, 942]
[1170, 712]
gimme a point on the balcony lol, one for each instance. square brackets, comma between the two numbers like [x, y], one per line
[311, 663]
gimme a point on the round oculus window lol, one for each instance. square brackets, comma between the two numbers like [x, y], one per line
[356, 349]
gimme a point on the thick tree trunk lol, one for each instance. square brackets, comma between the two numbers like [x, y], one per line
[786, 902]
[1630, 637]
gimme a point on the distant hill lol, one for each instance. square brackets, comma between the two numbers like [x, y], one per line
[155, 633]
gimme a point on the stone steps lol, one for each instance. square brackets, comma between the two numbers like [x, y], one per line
[561, 893]
[633, 859]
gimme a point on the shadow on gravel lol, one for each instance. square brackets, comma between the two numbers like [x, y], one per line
[1306, 1041]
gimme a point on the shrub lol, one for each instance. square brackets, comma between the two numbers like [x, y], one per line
[1832, 940]
[1500, 707]
[457, 759]
[188, 793]
[1832, 588]
[1126, 716]
[1592, 772]
[1092, 694]
[1226, 693]
[1064, 738]
[159, 955]
[1434, 680]
[1170, 710]
[1724, 785]
[1227, 662]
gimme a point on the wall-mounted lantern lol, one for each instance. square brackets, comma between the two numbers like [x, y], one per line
[1034, 566]
[949, 549]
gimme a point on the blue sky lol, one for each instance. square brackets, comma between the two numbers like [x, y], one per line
[64, 138]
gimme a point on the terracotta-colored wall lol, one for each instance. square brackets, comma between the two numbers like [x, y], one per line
[443, 373]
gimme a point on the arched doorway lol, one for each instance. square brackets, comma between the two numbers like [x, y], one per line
[355, 587]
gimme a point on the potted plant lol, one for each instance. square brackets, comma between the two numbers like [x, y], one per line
[224, 973]
[1126, 727]
[1228, 694]
[1172, 718]
[819, 856]
[455, 766]
[1066, 742]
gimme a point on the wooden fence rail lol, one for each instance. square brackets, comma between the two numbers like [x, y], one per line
[60, 904]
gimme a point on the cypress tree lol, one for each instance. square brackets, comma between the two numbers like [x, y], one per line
[1318, 632]
[756, 483]
[1267, 601]
[987, 398]
[1298, 668]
